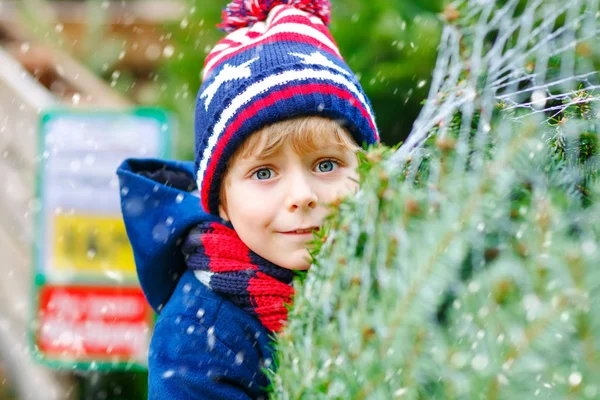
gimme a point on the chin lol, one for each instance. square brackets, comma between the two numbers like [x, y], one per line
[299, 265]
[298, 259]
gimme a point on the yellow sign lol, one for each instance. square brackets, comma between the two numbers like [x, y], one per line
[92, 245]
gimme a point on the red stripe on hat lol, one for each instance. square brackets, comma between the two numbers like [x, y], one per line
[279, 11]
[284, 94]
[299, 19]
[291, 36]
[253, 34]
[236, 249]
[268, 296]
[229, 42]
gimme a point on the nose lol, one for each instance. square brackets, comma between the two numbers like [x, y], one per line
[301, 193]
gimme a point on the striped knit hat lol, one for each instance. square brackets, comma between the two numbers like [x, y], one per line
[278, 61]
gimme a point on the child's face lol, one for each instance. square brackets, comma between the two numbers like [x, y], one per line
[269, 200]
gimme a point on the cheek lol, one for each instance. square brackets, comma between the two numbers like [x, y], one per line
[251, 209]
[345, 185]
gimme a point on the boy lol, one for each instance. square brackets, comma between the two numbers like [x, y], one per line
[278, 118]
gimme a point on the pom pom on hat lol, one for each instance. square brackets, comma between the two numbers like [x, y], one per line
[242, 13]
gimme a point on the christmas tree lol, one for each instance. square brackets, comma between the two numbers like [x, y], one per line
[467, 266]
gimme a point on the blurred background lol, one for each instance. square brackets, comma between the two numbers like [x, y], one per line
[100, 54]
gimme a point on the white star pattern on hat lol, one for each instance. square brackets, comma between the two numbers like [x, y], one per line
[316, 58]
[228, 73]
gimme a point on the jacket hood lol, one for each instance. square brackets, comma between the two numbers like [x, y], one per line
[160, 204]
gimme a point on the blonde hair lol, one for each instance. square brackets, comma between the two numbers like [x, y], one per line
[306, 135]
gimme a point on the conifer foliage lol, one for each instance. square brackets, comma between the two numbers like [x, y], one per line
[468, 265]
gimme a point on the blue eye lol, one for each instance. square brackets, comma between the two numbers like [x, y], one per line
[327, 166]
[263, 174]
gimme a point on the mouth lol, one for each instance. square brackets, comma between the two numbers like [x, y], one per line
[303, 231]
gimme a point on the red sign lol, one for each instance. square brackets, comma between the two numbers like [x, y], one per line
[93, 323]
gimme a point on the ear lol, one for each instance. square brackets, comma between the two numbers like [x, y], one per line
[223, 213]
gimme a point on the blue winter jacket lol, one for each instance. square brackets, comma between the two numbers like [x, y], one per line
[203, 345]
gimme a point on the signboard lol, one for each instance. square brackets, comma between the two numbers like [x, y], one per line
[90, 312]
[92, 322]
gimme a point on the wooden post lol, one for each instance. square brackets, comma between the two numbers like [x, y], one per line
[21, 99]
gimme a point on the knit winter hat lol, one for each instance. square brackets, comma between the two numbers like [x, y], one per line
[278, 62]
